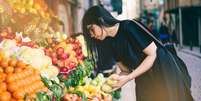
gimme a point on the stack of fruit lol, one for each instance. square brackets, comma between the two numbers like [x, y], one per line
[29, 6]
[66, 55]
[18, 80]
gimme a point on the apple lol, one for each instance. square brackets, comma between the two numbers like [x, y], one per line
[53, 55]
[67, 97]
[63, 70]
[75, 97]
[64, 56]
[78, 51]
[76, 46]
[54, 60]
[72, 65]
[80, 57]
[60, 51]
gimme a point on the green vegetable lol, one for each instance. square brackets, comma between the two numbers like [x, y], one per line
[116, 94]
[76, 77]
[42, 96]
[57, 91]
[54, 87]
[84, 97]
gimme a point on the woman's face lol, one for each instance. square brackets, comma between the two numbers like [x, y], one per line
[97, 32]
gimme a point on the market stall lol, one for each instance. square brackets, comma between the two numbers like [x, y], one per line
[39, 63]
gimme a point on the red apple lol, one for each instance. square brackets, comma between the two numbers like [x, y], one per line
[75, 97]
[53, 55]
[63, 70]
[80, 57]
[72, 65]
[60, 51]
[54, 60]
[78, 52]
[64, 56]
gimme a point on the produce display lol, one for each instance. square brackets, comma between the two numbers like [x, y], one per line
[18, 79]
[53, 68]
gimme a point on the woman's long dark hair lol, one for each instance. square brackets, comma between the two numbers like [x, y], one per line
[100, 16]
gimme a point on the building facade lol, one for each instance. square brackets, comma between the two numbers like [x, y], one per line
[187, 15]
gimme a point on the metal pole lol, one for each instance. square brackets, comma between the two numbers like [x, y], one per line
[180, 28]
[199, 32]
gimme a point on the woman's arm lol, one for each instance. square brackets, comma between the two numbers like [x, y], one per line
[147, 63]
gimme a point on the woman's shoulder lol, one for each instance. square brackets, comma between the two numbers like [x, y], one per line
[128, 23]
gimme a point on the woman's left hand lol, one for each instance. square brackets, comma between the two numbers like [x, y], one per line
[121, 80]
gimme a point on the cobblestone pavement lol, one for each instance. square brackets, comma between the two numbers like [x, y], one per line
[194, 67]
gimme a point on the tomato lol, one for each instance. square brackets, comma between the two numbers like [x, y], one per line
[5, 96]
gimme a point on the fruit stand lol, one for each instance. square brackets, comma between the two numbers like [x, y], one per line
[38, 63]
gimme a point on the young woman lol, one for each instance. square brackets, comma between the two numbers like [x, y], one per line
[159, 75]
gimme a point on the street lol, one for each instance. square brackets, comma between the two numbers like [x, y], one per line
[194, 67]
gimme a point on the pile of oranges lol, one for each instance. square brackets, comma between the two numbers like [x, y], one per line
[18, 80]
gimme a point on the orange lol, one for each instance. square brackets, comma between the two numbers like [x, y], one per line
[10, 78]
[12, 87]
[3, 87]
[17, 70]
[5, 96]
[19, 94]
[1, 70]
[2, 77]
[4, 63]
[9, 69]
[13, 62]
[21, 64]
[13, 99]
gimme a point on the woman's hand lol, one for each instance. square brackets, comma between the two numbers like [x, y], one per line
[121, 80]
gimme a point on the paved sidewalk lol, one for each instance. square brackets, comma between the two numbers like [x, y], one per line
[194, 52]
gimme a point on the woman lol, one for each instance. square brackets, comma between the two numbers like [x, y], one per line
[159, 75]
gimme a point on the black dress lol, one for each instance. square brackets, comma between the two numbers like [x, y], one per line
[167, 80]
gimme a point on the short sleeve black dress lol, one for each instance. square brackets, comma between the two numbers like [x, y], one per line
[167, 80]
